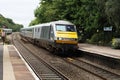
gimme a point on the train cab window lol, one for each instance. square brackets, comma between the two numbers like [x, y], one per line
[60, 28]
[70, 28]
[65, 28]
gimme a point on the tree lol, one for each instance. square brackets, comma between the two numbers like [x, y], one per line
[9, 23]
[112, 9]
[90, 16]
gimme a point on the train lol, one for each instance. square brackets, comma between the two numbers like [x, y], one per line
[56, 36]
[7, 31]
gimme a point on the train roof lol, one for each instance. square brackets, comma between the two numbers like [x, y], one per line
[49, 23]
[44, 24]
[54, 22]
[7, 29]
[62, 22]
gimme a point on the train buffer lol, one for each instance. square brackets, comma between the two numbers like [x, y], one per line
[100, 50]
[13, 66]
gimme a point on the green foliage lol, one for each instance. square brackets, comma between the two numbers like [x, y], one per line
[116, 43]
[97, 38]
[112, 9]
[89, 15]
[101, 38]
[34, 22]
[9, 23]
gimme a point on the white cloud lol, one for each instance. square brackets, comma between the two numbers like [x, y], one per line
[21, 11]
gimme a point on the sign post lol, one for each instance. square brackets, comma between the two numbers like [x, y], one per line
[107, 30]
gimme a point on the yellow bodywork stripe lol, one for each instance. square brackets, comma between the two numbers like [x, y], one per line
[66, 34]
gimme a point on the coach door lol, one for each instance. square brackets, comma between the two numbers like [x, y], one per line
[51, 36]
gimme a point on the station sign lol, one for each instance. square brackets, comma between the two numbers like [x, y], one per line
[108, 28]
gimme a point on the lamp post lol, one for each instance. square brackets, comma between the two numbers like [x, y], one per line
[98, 37]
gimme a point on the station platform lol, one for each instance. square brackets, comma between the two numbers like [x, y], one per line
[13, 66]
[100, 50]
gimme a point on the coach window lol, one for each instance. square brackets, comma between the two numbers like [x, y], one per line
[35, 30]
[38, 29]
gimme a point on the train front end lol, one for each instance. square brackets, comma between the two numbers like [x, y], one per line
[66, 37]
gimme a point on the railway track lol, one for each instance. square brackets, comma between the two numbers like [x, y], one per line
[99, 72]
[42, 69]
[93, 69]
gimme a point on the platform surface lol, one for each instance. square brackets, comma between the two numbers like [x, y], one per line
[13, 66]
[100, 50]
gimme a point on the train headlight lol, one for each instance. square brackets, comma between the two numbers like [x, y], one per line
[67, 39]
[59, 38]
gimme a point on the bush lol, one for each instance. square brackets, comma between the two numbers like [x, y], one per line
[81, 39]
[97, 39]
[101, 39]
[116, 43]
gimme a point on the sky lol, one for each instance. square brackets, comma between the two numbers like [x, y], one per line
[20, 11]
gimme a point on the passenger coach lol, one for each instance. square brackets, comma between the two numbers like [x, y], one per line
[54, 36]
